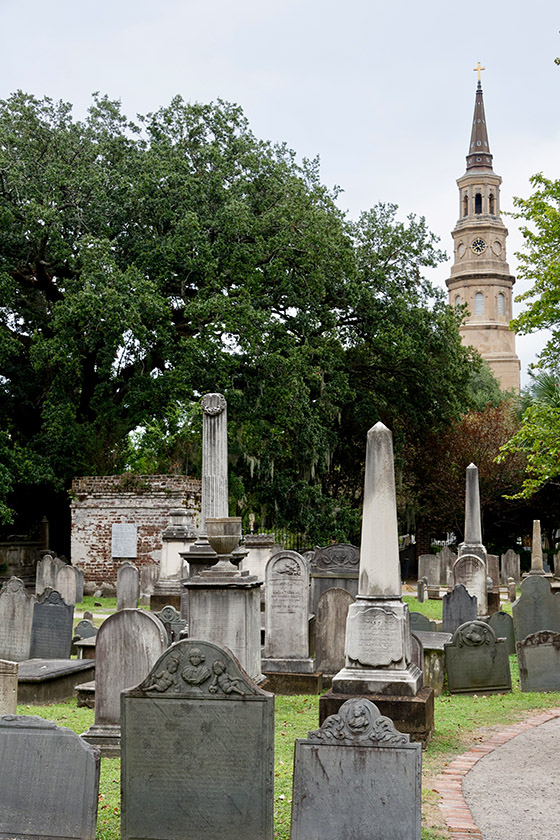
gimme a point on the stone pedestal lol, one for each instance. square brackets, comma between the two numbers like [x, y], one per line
[8, 687]
[225, 609]
[176, 539]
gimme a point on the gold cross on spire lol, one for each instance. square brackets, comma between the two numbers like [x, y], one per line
[478, 68]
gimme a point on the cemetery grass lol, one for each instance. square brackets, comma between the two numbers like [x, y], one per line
[461, 720]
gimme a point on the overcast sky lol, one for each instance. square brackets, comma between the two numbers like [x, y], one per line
[382, 92]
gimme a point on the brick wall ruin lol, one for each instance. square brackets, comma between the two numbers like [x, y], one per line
[99, 502]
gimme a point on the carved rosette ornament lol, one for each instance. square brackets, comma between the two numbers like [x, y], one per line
[213, 404]
[358, 722]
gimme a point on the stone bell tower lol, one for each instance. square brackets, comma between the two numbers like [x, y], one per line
[480, 275]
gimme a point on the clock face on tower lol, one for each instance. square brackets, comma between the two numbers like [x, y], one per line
[478, 246]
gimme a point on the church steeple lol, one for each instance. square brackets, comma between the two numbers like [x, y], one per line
[479, 156]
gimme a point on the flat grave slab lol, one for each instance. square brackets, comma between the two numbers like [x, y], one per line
[42, 681]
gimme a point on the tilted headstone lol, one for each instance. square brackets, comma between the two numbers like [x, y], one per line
[502, 625]
[128, 644]
[537, 608]
[421, 590]
[197, 750]
[418, 621]
[356, 777]
[538, 656]
[16, 620]
[429, 567]
[286, 646]
[493, 563]
[458, 607]
[511, 566]
[175, 626]
[66, 584]
[85, 629]
[128, 587]
[8, 690]
[333, 567]
[471, 572]
[47, 569]
[476, 661]
[54, 791]
[332, 612]
[51, 633]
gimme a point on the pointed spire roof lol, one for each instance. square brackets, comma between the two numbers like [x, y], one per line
[479, 156]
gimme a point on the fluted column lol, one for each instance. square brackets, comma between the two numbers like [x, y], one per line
[214, 458]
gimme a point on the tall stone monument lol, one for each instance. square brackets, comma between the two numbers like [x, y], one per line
[177, 538]
[537, 567]
[214, 458]
[471, 568]
[378, 641]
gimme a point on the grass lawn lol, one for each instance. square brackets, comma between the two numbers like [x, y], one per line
[460, 721]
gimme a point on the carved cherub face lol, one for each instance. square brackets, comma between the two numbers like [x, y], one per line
[218, 667]
[172, 664]
[358, 720]
[196, 657]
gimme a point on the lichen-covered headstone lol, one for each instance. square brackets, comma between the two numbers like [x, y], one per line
[458, 607]
[476, 661]
[539, 661]
[16, 620]
[51, 634]
[332, 612]
[287, 614]
[197, 750]
[356, 777]
[537, 608]
[49, 781]
[128, 587]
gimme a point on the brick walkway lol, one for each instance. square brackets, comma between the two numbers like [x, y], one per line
[453, 804]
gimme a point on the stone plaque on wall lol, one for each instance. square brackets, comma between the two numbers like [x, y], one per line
[124, 540]
[197, 750]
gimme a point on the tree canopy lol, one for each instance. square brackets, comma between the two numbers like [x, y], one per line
[145, 263]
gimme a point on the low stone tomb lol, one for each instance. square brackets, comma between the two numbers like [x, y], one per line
[16, 620]
[175, 626]
[470, 570]
[44, 681]
[458, 607]
[8, 690]
[502, 625]
[54, 790]
[539, 661]
[511, 566]
[128, 587]
[51, 634]
[128, 644]
[476, 661]
[419, 621]
[332, 612]
[537, 608]
[333, 567]
[356, 777]
[197, 750]
[286, 647]
[434, 658]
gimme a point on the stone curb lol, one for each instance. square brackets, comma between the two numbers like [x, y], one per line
[453, 805]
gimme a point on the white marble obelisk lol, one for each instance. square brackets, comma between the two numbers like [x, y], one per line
[378, 642]
[471, 566]
[214, 458]
[537, 567]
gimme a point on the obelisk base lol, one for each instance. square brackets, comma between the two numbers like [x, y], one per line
[386, 681]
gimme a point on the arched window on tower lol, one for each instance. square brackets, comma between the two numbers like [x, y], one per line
[501, 304]
[457, 301]
[478, 203]
[466, 205]
[491, 204]
[479, 304]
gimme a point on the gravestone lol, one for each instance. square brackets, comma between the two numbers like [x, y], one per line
[175, 626]
[502, 625]
[493, 563]
[54, 791]
[418, 621]
[429, 567]
[458, 607]
[333, 567]
[538, 656]
[66, 584]
[447, 559]
[332, 612]
[476, 661]
[128, 587]
[16, 619]
[128, 644]
[511, 566]
[45, 576]
[197, 750]
[556, 561]
[537, 608]
[8, 690]
[417, 649]
[470, 570]
[434, 658]
[260, 548]
[85, 629]
[51, 633]
[512, 590]
[286, 647]
[79, 584]
[356, 777]
[421, 590]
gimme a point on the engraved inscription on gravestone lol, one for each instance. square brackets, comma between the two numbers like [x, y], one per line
[16, 617]
[287, 592]
[51, 636]
[375, 638]
[124, 540]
